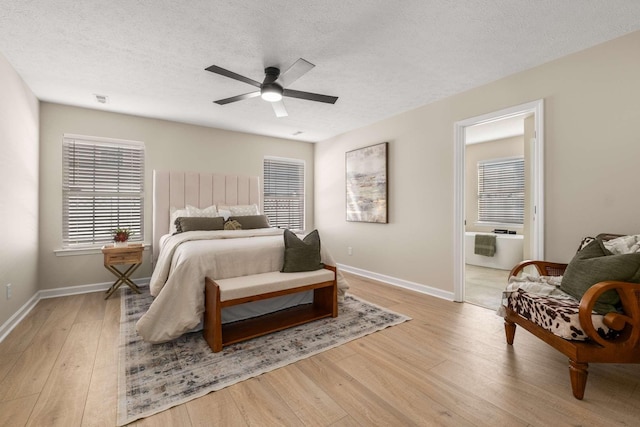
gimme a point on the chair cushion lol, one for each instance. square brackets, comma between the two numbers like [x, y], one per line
[558, 316]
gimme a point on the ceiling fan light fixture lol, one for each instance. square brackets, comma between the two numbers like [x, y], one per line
[271, 92]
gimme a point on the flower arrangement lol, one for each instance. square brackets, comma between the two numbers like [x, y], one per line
[121, 235]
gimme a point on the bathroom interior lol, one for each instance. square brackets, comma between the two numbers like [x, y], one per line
[497, 182]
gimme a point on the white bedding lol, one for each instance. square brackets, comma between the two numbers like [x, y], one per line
[187, 258]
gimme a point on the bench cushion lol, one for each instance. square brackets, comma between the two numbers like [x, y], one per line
[558, 316]
[257, 284]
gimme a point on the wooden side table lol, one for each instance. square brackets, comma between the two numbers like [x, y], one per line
[125, 255]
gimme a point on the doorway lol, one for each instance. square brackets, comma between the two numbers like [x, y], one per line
[532, 229]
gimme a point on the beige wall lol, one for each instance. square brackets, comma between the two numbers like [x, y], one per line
[592, 146]
[19, 189]
[497, 149]
[169, 145]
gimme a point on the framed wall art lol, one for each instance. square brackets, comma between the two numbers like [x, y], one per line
[366, 182]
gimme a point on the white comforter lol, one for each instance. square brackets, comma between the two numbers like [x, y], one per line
[187, 258]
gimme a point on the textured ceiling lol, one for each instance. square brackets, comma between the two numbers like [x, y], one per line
[379, 57]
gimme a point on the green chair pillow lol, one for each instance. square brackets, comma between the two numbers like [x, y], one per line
[593, 264]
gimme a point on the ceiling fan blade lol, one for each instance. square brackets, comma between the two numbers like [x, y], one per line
[237, 98]
[297, 70]
[278, 108]
[310, 96]
[232, 75]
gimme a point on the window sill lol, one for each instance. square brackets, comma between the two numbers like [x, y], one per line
[86, 251]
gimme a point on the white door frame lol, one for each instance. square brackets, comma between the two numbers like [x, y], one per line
[537, 229]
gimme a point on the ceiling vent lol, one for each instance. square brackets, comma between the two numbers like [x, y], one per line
[102, 99]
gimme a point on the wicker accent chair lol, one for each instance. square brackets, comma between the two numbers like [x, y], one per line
[623, 348]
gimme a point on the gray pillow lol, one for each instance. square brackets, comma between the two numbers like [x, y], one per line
[595, 264]
[301, 255]
[251, 222]
[193, 223]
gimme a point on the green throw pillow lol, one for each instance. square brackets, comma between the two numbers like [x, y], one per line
[301, 255]
[595, 264]
[251, 222]
[193, 223]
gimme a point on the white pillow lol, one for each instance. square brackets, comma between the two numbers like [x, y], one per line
[242, 210]
[225, 213]
[210, 212]
[175, 213]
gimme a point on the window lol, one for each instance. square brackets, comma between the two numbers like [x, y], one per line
[501, 191]
[102, 189]
[284, 192]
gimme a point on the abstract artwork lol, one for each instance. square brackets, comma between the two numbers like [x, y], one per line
[366, 180]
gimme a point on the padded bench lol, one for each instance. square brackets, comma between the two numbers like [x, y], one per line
[239, 290]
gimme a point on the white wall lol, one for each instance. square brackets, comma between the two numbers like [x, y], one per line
[592, 147]
[169, 145]
[19, 189]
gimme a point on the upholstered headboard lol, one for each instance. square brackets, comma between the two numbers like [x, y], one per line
[178, 189]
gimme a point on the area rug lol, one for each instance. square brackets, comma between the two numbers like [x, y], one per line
[155, 377]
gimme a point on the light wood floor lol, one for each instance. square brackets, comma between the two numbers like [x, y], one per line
[448, 366]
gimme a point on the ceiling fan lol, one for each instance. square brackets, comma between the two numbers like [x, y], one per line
[273, 88]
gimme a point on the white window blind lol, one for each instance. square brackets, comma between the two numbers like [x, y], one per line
[501, 191]
[284, 192]
[103, 189]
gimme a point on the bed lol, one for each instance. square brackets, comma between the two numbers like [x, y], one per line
[182, 261]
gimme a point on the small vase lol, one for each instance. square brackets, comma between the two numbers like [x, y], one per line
[120, 244]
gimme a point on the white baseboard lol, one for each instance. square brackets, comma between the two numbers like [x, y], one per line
[418, 287]
[14, 320]
[17, 317]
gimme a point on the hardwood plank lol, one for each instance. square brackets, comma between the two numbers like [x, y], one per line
[347, 421]
[387, 384]
[93, 307]
[338, 353]
[102, 397]
[534, 404]
[366, 407]
[473, 408]
[16, 412]
[298, 390]
[6, 363]
[62, 400]
[32, 369]
[217, 408]
[259, 404]
[178, 416]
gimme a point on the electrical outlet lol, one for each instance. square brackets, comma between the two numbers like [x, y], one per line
[350, 250]
[8, 290]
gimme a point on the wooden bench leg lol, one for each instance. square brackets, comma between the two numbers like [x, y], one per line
[326, 300]
[212, 331]
[510, 331]
[578, 373]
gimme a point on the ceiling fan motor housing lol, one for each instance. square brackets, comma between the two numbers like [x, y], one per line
[271, 74]
[270, 90]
